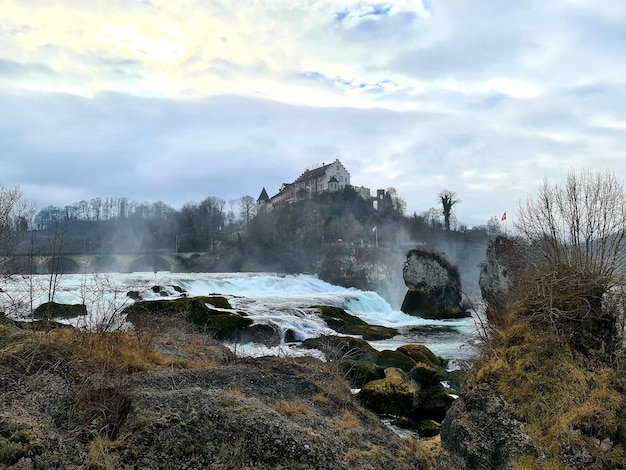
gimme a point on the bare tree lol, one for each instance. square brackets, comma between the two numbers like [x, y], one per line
[448, 201]
[577, 235]
[15, 216]
[247, 207]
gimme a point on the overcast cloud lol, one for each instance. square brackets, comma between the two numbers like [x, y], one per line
[179, 100]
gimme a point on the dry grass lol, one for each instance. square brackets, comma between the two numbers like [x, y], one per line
[568, 401]
[428, 451]
[292, 408]
[102, 454]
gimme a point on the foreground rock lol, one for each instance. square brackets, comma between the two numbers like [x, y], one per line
[405, 383]
[481, 432]
[269, 413]
[418, 398]
[434, 287]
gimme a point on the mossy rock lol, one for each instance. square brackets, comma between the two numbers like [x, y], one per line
[197, 310]
[50, 310]
[357, 349]
[395, 359]
[227, 326]
[394, 394]
[18, 441]
[343, 322]
[420, 353]
[359, 373]
[195, 307]
[342, 347]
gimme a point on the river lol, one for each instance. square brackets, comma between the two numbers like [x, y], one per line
[267, 298]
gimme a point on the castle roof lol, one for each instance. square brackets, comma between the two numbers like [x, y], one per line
[263, 197]
[314, 173]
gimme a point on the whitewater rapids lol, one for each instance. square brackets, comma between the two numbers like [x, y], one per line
[267, 298]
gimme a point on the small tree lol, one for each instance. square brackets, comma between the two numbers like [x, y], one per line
[577, 238]
[448, 200]
[15, 216]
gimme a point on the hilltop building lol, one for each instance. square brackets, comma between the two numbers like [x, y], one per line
[330, 177]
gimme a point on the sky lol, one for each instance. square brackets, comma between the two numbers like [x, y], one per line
[175, 101]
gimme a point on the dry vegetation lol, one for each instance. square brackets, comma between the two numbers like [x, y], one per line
[96, 374]
[571, 403]
[556, 349]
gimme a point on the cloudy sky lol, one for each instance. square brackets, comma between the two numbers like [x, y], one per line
[180, 100]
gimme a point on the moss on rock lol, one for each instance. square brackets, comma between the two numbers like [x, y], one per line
[420, 353]
[342, 322]
[394, 394]
[50, 310]
[209, 313]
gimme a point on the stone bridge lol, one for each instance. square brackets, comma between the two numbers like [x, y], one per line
[106, 263]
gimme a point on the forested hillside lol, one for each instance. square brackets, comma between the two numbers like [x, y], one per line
[238, 235]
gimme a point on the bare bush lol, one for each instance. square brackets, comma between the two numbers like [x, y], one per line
[577, 237]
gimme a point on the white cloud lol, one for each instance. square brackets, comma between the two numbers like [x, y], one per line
[164, 45]
[484, 98]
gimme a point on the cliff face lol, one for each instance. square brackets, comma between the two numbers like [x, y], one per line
[503, 262]
[377, 270]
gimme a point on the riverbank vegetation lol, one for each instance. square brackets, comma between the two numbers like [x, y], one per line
[556, 349]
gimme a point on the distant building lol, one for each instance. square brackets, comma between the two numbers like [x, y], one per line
[263, 199]
[325, 178]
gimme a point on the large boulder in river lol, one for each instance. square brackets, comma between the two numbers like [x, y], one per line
[52, 310]
[209, 314]
[434, 286]
[502, 266]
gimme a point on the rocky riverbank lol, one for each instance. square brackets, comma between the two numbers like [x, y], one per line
[170, 395]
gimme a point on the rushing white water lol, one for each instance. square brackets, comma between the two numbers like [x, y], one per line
[277, 300]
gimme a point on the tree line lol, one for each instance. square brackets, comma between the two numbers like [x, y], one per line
[243, 235]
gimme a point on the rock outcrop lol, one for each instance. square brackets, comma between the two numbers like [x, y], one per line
[418, 397]
[480, 431]
[434, 286]
[207, 313]
[267, 413]
[370, 269]
[499, 271]
[55, 310]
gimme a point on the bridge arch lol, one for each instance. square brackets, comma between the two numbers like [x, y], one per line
[150, 263]
[105, 264]
[63, 265]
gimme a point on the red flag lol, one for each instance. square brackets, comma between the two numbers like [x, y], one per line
[504, 216]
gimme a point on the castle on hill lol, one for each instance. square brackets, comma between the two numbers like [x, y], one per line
[326, 178]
